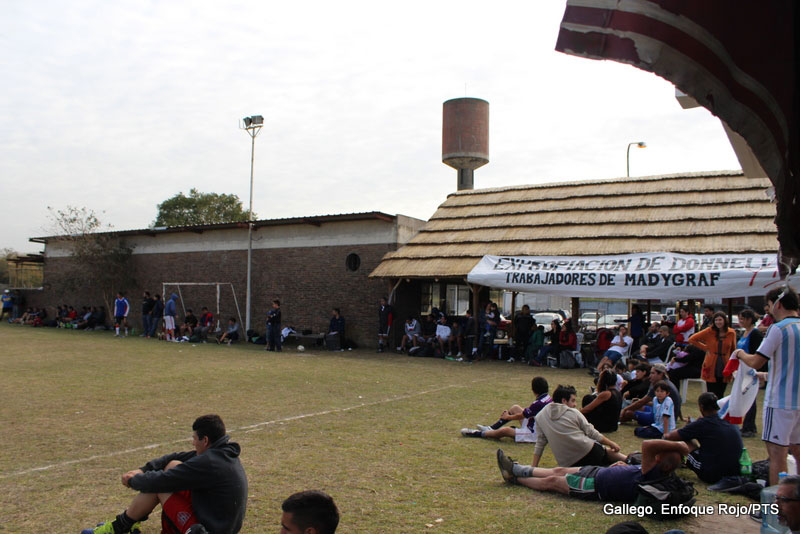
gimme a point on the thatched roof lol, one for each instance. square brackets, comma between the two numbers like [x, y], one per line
[695, 213]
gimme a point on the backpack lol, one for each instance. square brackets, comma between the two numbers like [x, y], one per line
[670, 490]
[566, 360]
[760, 470]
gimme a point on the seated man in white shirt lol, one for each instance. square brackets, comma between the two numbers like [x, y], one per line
[444, 335]
[620, 346]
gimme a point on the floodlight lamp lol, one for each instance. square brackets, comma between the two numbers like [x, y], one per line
[247, 122]
[641, 144]
[258, 120]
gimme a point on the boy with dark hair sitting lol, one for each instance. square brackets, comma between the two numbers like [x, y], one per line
[527, 432]
[573, 439]
[206, 487]
[663, 414]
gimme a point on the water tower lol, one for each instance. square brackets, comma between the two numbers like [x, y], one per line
[465, 137]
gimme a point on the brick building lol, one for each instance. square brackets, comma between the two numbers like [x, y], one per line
[311, 264]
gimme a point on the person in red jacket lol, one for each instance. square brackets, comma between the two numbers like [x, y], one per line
[684, 327]
[567, 338]
[384, 323]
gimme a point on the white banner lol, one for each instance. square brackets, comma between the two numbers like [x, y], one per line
[660, 275]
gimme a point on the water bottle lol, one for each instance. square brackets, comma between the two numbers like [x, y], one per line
[769, 520]
[745, 463]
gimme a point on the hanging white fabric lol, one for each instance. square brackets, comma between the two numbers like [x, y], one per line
[659, 275]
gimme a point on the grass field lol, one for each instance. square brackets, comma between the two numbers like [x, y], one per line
[379, 432]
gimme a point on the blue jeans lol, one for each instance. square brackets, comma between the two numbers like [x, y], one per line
[645, 417]
[486, 340]
[648, 432]
[153, 325]
[146, 324]
[274, 336]
[545, 351]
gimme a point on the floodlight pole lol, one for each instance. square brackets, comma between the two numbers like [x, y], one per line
[640, 144]
[252, 125]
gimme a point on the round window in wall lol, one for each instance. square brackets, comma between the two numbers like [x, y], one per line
[353, 262]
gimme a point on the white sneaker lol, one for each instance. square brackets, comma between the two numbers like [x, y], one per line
[398, 349]
[460, 355]
[483, 428]
[511, 360]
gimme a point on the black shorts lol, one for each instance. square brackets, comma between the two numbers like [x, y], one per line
[596, 456]
[118, 319]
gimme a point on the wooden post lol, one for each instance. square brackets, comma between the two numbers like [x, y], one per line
[511, 316]
[575, 305]
[475, 289]
[649, 311]
[730, 311]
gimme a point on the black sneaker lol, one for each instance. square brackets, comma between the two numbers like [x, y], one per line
[729, 484]
[748, 434]
[506, 466]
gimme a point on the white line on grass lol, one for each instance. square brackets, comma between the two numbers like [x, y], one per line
[246, 429]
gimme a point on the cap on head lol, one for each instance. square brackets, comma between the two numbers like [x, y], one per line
[659, 367]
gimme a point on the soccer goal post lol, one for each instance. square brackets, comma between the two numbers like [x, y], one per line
[217, 285]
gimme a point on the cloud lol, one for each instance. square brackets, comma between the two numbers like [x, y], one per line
[118, 106]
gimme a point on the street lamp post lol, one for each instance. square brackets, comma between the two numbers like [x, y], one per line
[251, 125]
[640, 144]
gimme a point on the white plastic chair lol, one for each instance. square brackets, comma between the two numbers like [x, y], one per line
[627, 354]
[685, 386]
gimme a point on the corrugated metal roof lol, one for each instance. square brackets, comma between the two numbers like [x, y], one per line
[315, 220]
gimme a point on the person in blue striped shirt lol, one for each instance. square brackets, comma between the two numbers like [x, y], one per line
[781, 348]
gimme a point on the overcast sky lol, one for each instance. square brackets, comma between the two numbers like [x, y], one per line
[117, 106]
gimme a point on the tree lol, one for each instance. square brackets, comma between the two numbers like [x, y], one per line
[98, 256]
[200, 208]
[5, 254]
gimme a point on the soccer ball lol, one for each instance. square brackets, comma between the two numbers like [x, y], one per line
[301, 348]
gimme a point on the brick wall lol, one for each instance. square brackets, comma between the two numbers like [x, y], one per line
[309, 281]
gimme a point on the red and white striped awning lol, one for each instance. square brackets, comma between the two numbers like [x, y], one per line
[738, 59]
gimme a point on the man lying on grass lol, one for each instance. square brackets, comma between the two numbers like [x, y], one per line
[525, 433]
[202, 489]
[614, 483]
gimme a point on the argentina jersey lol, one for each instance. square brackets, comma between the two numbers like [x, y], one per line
[781, 346]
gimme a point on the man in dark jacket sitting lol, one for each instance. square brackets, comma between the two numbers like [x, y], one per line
[655, 350]
[200, 491]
